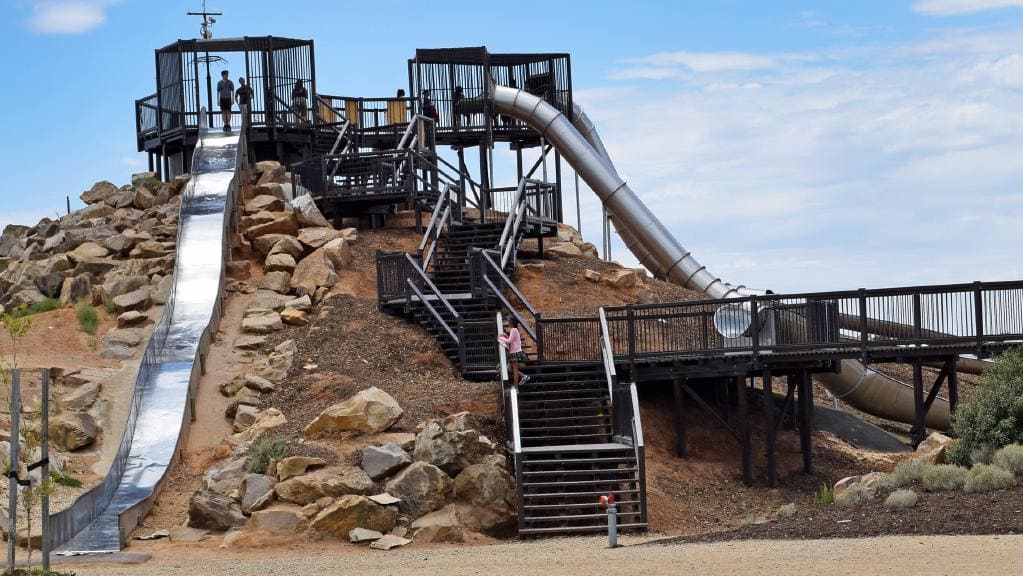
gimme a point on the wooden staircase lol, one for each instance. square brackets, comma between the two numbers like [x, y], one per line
[569, 455]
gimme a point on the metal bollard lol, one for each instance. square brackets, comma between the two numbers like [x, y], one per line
[612, 520]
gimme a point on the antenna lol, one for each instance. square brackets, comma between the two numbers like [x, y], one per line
[208, 20]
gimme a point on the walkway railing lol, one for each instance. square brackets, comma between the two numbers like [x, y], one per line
[978, 318]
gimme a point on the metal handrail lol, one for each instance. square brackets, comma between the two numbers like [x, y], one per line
[513, 403]
[429, 283]
[500, 296]
[501, 353]
[509, 225]
[428, 257]
[637, 420]
[607, 354]
[433, 311]
[337, 141]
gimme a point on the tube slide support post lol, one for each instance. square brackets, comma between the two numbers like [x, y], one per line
[744, 435]
[680, 423]
[978, 315]
[805, 403]
[772, 431]
[918, 430]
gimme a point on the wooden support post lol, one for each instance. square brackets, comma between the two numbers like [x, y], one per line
[744, 432]
[805, 421]
[919, 430]
[772, 430]
[680, 422]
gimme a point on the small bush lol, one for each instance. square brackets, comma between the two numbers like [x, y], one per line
[1010, 458]
[786, 510]
[905, 473]
[751, 520]
[944, 478]
[268, 448]
[982, 454]
[46, 305]
[901, 499]
[824, 496]
[109, 306]
[854, 495]
[988, 478]
[88, 319]
[992, 416]
[63, 480]
[91, 343]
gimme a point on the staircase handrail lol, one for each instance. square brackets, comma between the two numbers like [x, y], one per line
[433, 311]
[421, 272]
[488, 262]
[509, 225]
[340, 136]
[436, 225]
[637, 421]
[607, 354]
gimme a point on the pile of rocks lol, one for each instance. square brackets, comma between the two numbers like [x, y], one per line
[301, 253]
[446, 483]
[570, 244]
[118, 250]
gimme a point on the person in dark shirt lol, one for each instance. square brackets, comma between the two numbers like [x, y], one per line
[243, 96]
[429, 110]
[225, 95]
[300, 101]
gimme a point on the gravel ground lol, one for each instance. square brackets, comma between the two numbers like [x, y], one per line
[981, 555]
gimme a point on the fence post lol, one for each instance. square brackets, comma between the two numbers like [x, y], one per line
[12, 482]
[45, 459]
[630, 323]
[917, 322]
[538, 327]
[978, 313]
[863, 323]
[755, 327]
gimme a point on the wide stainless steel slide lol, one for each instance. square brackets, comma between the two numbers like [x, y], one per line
[100, 520]
[658, 250]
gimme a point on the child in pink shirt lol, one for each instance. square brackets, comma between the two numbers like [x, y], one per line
[513, 341]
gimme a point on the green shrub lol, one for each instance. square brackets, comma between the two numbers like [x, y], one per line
[901, 499]
[786, 510]
[944, 478]
[268, 448]
[824, 496]
[1010, 458]
[63, 480]
[88, 319]
[905, 473]
[109, 306]
[854, 494]
[46, 305]
[994, 414]
[988, 478]
[982, 454]
[751, 520]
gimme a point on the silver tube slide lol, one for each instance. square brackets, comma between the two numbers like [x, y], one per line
[659, 251]
[100, 520]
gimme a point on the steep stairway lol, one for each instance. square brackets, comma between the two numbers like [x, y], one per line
[569, 455]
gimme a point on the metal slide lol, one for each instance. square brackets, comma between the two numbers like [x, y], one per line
[101, 519]
[659, 251]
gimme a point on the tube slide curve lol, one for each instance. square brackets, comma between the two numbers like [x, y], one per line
[658, 250]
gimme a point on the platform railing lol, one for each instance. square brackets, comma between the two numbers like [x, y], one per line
[978, 318]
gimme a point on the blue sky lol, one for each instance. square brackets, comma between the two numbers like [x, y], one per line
[790, 145]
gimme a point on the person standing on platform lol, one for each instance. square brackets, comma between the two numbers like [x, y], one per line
[512, 341]
[300, 101]
[225, 94]
[243, 96]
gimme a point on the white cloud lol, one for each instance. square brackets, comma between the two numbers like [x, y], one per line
[709, 61]
[885, 165]
[67, 16]
[956, 7]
